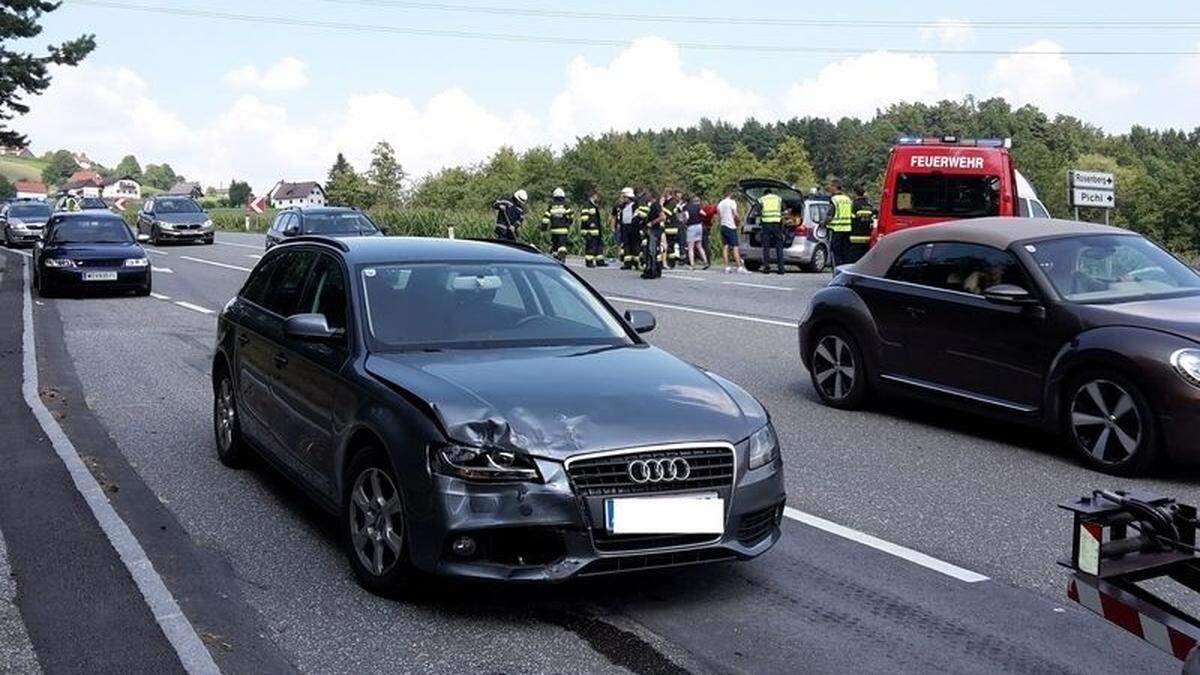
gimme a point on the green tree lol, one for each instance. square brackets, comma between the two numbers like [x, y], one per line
[128, 166]
[345, 187]
[239, 193]
[161, 176]
[789, 162]
[7, 191]
[23, 74]
[59, 166]
[385, 176]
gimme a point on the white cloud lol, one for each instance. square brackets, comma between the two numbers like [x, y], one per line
[288, 74]
[588, 104]
[1041, 74]
[1187, 71]
[860, 85]
[950, 33]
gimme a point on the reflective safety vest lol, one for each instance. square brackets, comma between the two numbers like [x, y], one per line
[589, 220]
[772, 209]
[558, 219]
[670, 225]
[843, 213]
[864, 215]
[640, 214]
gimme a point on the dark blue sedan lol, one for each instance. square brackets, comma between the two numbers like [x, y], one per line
[89, 250]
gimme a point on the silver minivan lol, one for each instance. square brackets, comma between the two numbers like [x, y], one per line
[806, 245]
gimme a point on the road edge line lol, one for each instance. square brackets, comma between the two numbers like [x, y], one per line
[193, 655]
[706, 312]
[915, 557]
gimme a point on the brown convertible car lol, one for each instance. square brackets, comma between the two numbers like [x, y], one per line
[1090, 330]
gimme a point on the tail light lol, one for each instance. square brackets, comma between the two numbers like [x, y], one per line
[801, 230]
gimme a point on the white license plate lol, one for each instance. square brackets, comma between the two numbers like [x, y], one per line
[681, 514]
[99, 276]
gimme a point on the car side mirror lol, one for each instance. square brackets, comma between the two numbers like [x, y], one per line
[310, 327]
[143, 238]
[1009, 294]
[640, 320]
[291, 230]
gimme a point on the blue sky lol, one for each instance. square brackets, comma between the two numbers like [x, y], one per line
[220, 98]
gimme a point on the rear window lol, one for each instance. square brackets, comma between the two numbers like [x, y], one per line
[947, 195]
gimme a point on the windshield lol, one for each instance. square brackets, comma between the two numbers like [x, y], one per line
[947, 195]
[176, 206]
[464, 305]
[1112, 268]
[31, 211]
[91, 231]
[338, 223]
[92, 203]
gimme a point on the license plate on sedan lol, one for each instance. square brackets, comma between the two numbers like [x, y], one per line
[677, 514]
[99, 276]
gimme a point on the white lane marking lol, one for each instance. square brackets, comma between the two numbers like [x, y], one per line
[888, 547]
[750, 285]
[672, 275]
[194, 308]
[214, 263]
[193, 655]
[229, 243]
[254, 256]
[27, 254]
[156, 251]
[706, 312]
[160, 296]
[163, 270]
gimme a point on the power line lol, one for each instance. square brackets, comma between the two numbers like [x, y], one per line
[599, 42]
[1007, 24]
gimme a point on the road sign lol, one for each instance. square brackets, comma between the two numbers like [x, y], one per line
[1097, 199]
[119, 204]
[1097, 180]
[258, 204]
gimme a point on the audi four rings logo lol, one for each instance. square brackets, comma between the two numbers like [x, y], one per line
[667, 470]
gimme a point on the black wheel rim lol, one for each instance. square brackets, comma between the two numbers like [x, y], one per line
[1105, 421]
[833, 367]
[376, 521]
[225, 415]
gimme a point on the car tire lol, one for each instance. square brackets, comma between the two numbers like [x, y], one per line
[154, 239]
[374, 526]
[820, 260]
[232, 449]
[145, 290]
[753, 265]
[208, 241]
[1110, 423]
[7, 239]
[836, 367]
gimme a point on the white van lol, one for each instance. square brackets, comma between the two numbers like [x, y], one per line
[1028, 204]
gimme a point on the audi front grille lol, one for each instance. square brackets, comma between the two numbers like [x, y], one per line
[609, 474]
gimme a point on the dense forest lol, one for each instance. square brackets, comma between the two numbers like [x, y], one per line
[1158, 172]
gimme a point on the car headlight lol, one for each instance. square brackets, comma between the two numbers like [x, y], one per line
[483, 464]
[58, 262]
[764, 447]
[136, 262]
[165, 226]
[207, 224]
[1187, 363]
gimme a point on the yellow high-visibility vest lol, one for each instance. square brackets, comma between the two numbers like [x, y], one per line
[843, 214]
[772, 209]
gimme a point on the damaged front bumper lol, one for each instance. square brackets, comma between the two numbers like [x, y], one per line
[554, 530]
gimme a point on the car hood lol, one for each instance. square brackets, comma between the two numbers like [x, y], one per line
[182, 218]
[29, 222]
[554, 402]
[94, 251]
[1180, 316]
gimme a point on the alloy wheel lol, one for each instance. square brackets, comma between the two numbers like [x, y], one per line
[819, 261]
[226, 415]
[833, 367]
[376, 521]
[1105, 421]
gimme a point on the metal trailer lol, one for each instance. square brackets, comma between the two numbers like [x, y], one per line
[1123, 538]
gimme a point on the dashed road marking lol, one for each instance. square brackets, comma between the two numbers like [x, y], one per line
[156, 251]
[160, 296]
[254, 256]
[229, 243]
[672, 275]
[214, 263]
[706, 312]
[193, 655]
[752, 285]
[915, 557]
[162, 270]
[194, 308]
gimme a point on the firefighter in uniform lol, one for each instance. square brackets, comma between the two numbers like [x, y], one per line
[557, 220]
[670, 225]
[840, 222]
[627, 229]
[509, 214]
[590, 227]
[770, 216]
[860, 226]
[650, 215]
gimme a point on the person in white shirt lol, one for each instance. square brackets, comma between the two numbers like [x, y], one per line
[727, 212]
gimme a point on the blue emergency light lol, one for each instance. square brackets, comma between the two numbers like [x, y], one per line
[955, 140]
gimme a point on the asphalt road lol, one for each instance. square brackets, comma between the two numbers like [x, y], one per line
[257, 568]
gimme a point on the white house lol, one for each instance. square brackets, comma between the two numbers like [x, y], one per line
[122, 186]
[287, 195]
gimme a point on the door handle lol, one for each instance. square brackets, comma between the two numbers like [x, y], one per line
[281, 360]
[242, 340]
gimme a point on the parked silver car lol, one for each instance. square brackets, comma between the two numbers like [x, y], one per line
[805, 245]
